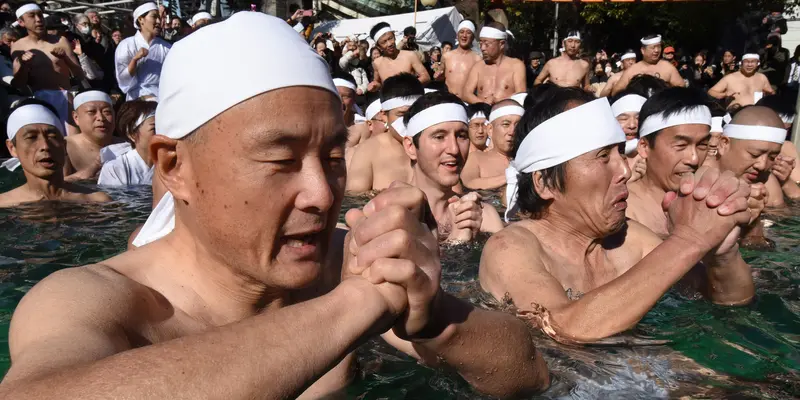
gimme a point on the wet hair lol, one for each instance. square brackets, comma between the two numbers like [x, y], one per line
[439, 86]
[572, 32]
[646, 85]
[27, 102]
[782, 105]
[377, 27]
[670, 102]
[537, 93]
[475, 108]
[496, 25]
[401, 85]
[427, 101]
[446, 43]
[553, 102]
[129, 113]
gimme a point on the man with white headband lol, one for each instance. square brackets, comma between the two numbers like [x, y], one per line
[568, 69]
[574, 265]
[135, 167]
[651, 64]
[201, 19]
[437, 143]
[751, 146]
[497, 76]
[626, 106]
[392, 60]
[478, 114]
[36, 141]
[382, 160]
[44, 62]
[138, 59]
[251, 277]
[784, 106]
[674, 133]
[357, 132]
[486, 169]
[458, 62]
[746, 86]
[626, 61]
[94, 115]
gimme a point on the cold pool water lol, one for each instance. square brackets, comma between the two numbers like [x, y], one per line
[710, 351]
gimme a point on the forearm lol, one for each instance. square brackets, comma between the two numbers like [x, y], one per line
[729, 279]
[132, 65]
[790, 189]
[492, 182]
[475, 341]
[621, 303]
[74, 67]
[89, 68]
[716, 94]
[273, 355]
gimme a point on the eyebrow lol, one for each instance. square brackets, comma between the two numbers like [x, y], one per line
[689, 139]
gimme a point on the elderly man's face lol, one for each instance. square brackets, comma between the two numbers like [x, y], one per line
[629, 122]
[501, 131]
[40, 149]
[95, 119]
[270, 205]
[749, 66]
[116, 36]
[94, 18]
[678, 150]
[651, 53]
[442, 152]
[8, 40]
[596, 191]
[751, 160]
[477, 132]
[491, 49]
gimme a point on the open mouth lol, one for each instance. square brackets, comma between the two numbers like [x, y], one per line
[47, 162]
[451, 166]
[302, 245]
[620, 202]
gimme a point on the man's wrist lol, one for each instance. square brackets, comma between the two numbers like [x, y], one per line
[689, 240]
[440, 325]
[721, 260]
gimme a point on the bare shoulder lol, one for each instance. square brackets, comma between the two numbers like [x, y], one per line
[637, 240]
[584, 63]
[512, 241]
[663, 64]
[11, 198]
[99, 197]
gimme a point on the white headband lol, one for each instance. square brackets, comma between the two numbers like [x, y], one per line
[575, 35]
[466, 24]
[727, 118]
[201, 16]
[91, 95]
[477, 115]
[339, 82]
[655, 40]
[430, 90]
[26, 9]
[751, 56]
[505, 110]
[185, 105]
[628, 103]
[487, 32]
[585, 128]
[381, 32]
[657, 122]
[373, 109]
[31, 114]
[399, 127]
[716, 124]
[142, 118]
[631, 146]
[627, 56]
[787, 118]
[445, 112]
[397, 102]
[142, 10]
[755, 132]
[519, 97]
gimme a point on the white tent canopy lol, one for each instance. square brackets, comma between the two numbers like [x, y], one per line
[433, 27]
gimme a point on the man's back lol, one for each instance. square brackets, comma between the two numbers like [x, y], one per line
[377, 163]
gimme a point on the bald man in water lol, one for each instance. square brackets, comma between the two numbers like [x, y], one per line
[487, 169]
[567, 70]
[651, 64]
[498, 76]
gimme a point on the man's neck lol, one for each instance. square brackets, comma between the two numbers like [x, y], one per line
[95, 143]
[349, 118]
[464, 50]
[563, 236]
[436, 194]
[147, 36]
[220, 293]
[473, 147]
[650, 186]
[746, 75]
[35, 36]
[566, 56]
[496, 61]
[500, 152]
[46, 189]
[393, 57]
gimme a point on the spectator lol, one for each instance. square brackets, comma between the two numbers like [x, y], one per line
[728, 64]
[793, 73]
[534, 67]
[702, 75]
[776, 61]
[409, 40]
[93, 56]
[446, 46]
[434, 63]
[116, 37]
[96, 23]
[350, 63]
[774, 24]
[669, 55]
[5, 7]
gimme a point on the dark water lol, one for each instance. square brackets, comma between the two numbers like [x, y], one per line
[713, 352]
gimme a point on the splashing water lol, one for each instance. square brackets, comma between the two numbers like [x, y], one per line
[710, 351]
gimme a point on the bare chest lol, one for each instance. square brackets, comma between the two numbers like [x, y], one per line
[568, 72]
[495, 82]
[492, 164]
[82, 155]
[389, 67]
[389, 165]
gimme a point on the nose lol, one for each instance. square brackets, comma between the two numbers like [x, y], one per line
[451, 145]
[694, 157]
[623, 170]
[315, 194]
[762, 164]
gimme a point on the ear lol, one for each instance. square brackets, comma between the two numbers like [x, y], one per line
[489, 130]
[723, 145]
[538, 185]
[411, 150]
[11, 148]
[643, 147]
[170, 168]
[75, 117]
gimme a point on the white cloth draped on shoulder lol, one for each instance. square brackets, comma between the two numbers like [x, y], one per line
[129, 169]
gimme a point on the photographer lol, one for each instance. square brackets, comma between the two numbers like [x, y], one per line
[702, 74]
[350, 63]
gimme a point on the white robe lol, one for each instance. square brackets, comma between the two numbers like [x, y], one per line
[148, 70]
[129, 169]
